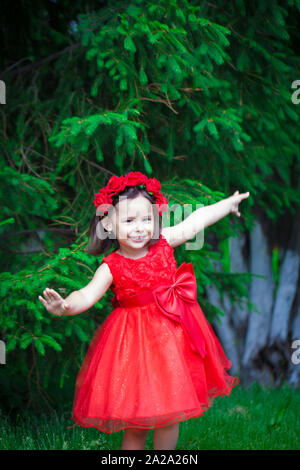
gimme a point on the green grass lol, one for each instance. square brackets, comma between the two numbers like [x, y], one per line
[254, 418]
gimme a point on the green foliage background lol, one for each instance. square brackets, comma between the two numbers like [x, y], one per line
[198, 96]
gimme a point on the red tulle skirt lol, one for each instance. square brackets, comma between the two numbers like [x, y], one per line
[140, 372]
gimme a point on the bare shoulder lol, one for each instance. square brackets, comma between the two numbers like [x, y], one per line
[104, 271]
[99, 284]
[102, 277]
[167, 233]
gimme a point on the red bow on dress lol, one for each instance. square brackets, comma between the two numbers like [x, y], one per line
[175, 301]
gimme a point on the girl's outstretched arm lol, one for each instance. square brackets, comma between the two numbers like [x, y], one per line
[202, 218]
[80, 300]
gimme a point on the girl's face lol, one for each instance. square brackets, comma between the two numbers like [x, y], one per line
[133, 222]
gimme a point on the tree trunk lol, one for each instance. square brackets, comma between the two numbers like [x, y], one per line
[239, 264]
[225, 332]
[255, 367]
[286, 290]
[294, 349]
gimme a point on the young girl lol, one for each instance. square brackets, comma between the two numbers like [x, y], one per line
[155, 360]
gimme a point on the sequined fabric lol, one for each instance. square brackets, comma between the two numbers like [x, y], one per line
[139, 370]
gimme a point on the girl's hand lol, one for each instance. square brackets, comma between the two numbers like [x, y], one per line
[54, 303]
[235, 201]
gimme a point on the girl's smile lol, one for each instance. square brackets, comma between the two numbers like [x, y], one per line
[138, 239]
[133, 224]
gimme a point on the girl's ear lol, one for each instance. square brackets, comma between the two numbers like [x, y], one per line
[106, 224]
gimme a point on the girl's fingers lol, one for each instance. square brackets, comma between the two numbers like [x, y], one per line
[42, 300]
[243, 195]
[55, 294]
[50, 292]
[46, 295]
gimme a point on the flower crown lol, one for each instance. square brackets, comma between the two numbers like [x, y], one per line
[117, 184]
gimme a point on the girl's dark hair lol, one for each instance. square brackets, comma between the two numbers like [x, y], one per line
[99, 245]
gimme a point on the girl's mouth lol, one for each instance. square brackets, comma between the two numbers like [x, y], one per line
[137, 239]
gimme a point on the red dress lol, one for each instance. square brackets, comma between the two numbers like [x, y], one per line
[140, 370]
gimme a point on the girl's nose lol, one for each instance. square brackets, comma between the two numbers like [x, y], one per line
[139, 227]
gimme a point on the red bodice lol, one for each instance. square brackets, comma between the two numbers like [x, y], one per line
[132, 276]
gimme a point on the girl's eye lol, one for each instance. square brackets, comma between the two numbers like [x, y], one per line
[147, 218]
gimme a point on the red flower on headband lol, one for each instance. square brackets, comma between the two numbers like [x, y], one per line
[135, 177]
[102, 201]
[162, 203]
[153, 185]
[117, 184]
